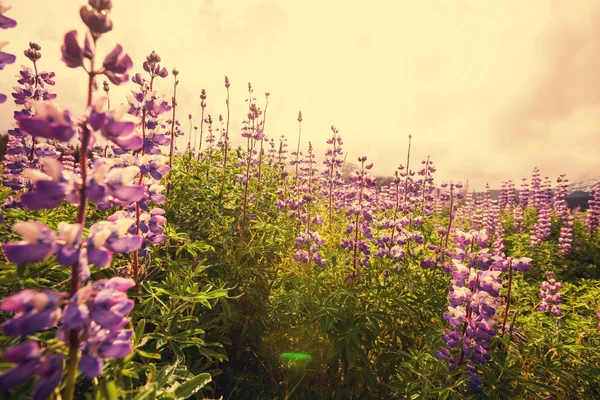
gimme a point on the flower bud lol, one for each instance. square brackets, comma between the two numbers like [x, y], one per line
[153, 58]
[101, 5]
[98, 22]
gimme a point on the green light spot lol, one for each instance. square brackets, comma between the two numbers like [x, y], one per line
[295, 360]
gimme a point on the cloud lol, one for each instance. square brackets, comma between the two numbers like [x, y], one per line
[568, 84]
[489, 90]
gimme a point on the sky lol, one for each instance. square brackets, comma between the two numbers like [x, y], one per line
[487, 89]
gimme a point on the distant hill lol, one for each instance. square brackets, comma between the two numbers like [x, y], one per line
[586, 186]
[575, 198]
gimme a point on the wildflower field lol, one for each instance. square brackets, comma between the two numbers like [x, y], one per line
[145, 256]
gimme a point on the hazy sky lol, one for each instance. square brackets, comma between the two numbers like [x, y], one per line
[488, 89]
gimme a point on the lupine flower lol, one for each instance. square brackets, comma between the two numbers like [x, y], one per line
[49, 122]
[73, 54]
[50, 188]
[27, 356]
[115, 126]
[5, 22]
[37, 244]
[36, 311]
[474, 299]
[116, 66]
[550, 297]
[592, 215]
[50, 374]
[98, 312]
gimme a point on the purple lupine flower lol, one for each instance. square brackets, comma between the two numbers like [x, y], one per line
[5, 22]
[36, 311]
[49, 122]
[50, 373]
[68, 242]
[50, 188]
[27, 356]
[37, 244]
[98, 311]
[592, 215]
[73, 54]
[5, 58]
[117, 65]
[115, 125]
[474, 299]
[550, 296]
[111, 236]
[120, 189]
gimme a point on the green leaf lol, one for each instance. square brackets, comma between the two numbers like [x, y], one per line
[139, 330]
[148, 394]
[145, 354]
[192, 386]
[108, 391]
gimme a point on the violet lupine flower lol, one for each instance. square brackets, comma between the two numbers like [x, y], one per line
[49, 122]
[73, 54]
[113, 236]
[151, 227]
[37, 244]
[41, 242]
[592, 215]
[306, 191]
[550, 296]
[543, 226]
[565, 237]
[147, 104]
[5, 58]
[524, 193]
[35, 312]
[27, 356]
[50, 374]
[25, 150]
[50, 189]
[5, 22]
[535, 190]
[106, 185]
[121, 191]
[332, 174]
[98, 312]
[115, 126]
[359, 214]
[426, 182]
[518, 218]
[15, 160]
[474, 299]
[116, 66]
[67, 245]
[152, 66]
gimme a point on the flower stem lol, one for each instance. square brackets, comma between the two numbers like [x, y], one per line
[172, 149]
[81, 217]
[510, 276]
[71, 378]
